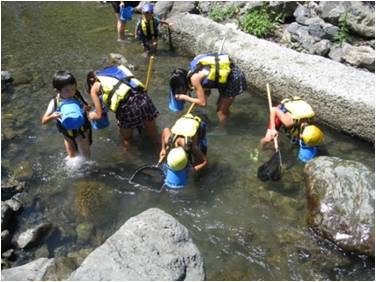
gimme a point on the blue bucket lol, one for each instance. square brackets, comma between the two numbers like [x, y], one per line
[101, 123]
[306, 153]
[126, 14]
[176, 179]
[71, 114]
[173, 104]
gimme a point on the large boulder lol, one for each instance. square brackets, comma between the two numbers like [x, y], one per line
[32, 271]
[342, 96]
[149, 246]
[341, 203]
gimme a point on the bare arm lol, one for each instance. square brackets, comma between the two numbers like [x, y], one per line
[165, 135]
[50, 113]
[94, 94]
[200, 156]
[196, 83]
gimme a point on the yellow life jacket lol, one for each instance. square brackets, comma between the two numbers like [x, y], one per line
[220, 67]
[117, 82]
[186, 126]
[298, 108]
[147, 27]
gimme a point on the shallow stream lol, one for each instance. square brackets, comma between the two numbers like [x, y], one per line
[245, 229]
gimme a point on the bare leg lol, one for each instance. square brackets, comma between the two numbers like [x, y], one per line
[126, 135]
[223, 109]
[70, 148]
[120, 28]
[84, 145]
[151, 131]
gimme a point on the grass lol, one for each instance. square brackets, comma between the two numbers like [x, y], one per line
[220, 13]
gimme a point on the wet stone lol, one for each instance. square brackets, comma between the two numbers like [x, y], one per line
[33, 235]
[84, 231]
[9, 254]
[24, 171]
[14, 204]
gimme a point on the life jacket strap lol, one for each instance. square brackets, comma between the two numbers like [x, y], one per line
[216, 59]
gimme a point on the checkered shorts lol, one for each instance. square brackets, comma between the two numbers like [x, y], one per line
[236, 83]
[136, 109]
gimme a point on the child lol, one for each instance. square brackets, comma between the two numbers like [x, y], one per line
[120, 23]
[75, 140]
[206, 72]
[296, 117]
[147, 29]
[185, 145]
[115, 88]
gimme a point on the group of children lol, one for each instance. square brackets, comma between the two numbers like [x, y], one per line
[184, 145]
[146, 28]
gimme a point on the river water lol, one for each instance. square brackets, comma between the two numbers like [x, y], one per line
[245, 229]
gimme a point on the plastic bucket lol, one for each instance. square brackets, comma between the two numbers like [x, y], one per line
[101, 123]
[71, 114]
[176, 179]
[173, 104]
[306, 153]
[126, 14]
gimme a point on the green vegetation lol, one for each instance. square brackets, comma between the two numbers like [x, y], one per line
[344, 33]
[221, 13]
[261, 22]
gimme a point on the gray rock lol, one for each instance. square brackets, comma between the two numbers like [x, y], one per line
[286, 7]
[321, 48]
[84, 231]
[14, 204]
[360, 18]
[9, 254]
[330, 30]
[60, 269]
[331, 11]
[342, 96]
[341, 203]
[250, 5]
[336, 53]
[10, 188]
[33, 235]
[302, 14]
[149, 246]
[32, 271]
[362, 57]
[162, 8]
[117, 59]
[184, 7]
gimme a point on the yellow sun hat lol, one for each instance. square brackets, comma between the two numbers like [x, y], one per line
[177, 159]
[312, 135]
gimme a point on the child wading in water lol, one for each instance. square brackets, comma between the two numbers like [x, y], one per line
[77, 137]
[147, 29]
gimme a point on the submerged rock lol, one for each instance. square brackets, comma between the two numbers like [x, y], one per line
[149, 246]
[33, 235]
[341, 203]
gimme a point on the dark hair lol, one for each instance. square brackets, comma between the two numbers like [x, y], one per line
[179, 81]
[89, 80]
[62, 79]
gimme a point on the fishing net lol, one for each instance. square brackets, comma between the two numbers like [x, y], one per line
[271, 170]
[150, 177]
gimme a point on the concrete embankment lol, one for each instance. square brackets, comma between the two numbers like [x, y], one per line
[342, 96]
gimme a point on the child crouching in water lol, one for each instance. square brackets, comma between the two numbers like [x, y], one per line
[74, 126]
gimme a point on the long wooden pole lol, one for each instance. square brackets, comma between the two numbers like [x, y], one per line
[150, 67]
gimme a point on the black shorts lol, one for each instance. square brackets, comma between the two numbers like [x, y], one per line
[136, 109]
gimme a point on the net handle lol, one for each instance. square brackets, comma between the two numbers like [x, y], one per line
[270, 112]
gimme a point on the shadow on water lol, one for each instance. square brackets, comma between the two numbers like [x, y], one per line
[245, 229]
